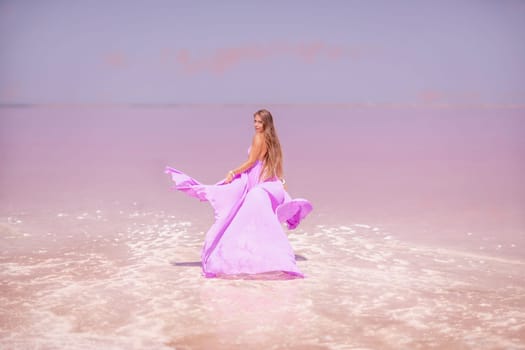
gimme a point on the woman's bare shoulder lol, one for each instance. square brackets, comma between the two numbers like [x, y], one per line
[258, 138]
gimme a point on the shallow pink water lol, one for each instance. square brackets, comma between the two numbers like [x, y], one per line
[417, 239]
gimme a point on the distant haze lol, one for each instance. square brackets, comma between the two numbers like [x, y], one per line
[372, 52]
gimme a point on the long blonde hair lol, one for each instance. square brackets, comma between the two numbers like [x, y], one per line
[273, 159]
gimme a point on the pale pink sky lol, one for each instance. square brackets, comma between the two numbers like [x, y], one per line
[376, 52]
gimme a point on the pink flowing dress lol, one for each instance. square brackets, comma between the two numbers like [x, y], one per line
[247, 236]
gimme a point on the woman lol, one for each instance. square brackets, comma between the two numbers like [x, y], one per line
[250, 204]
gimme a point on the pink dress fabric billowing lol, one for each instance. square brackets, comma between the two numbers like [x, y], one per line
[247, 236]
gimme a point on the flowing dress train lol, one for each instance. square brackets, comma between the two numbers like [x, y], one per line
[247, 236]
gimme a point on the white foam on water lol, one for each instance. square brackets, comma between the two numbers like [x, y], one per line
[138, 285]
[362, 225]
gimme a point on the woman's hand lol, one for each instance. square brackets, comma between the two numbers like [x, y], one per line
[229, 177]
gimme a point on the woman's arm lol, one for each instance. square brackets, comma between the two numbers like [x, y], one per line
[255, 153]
